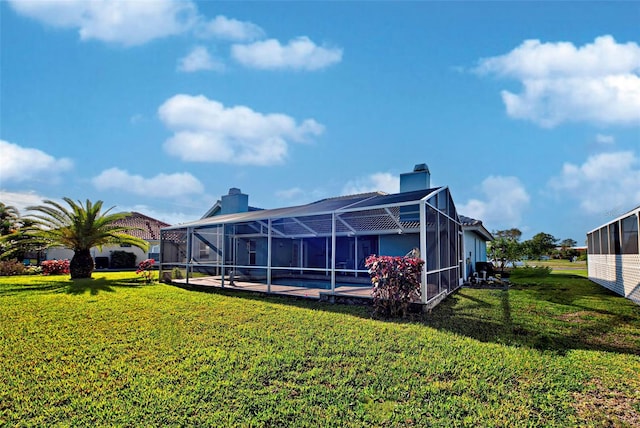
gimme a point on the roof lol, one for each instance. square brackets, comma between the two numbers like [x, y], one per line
[473, 225]
[635, 210]
[349, 203]
[142, 226]
[215, 209]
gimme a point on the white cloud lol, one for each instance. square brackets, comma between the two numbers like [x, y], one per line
[379, 181]
[27, 164]
[602, 183]
[230, 29]
[505, 200]
[128, 23]
[605, 139]
[160, 186]
[199, 59]
[299, 54]
[22, 200]
[598, 82]
[207, 131]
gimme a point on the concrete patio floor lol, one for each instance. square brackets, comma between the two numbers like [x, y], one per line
[341, 290]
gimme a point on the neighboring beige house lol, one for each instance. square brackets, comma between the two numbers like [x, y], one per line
[142, 226]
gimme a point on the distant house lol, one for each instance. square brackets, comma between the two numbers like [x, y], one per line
[140, 225]
[325, 243]
[614, 255]
[476, 237]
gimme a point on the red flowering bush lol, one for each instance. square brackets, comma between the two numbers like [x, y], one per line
[55, 267]
[396, 283]
[145, 269]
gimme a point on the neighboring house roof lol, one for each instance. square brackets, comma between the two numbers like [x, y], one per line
[473, 225]
[142, 226]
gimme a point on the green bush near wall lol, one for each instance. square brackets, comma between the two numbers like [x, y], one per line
[122, 260]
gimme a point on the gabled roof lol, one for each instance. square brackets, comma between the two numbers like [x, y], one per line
[142, 226]
[473, 225]
[215, 210]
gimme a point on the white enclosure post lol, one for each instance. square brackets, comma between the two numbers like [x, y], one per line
[423, 250]
[269, 257]
[333, 253]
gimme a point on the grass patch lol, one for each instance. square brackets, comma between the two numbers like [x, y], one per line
[111, 351]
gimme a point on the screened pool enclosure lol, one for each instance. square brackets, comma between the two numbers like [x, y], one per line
[614, 255]
[322, 245]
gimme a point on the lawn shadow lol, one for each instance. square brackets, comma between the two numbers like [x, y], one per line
[487, 315]
[586, 327]
[66, 285]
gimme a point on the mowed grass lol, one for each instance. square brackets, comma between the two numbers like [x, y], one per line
[112, 351]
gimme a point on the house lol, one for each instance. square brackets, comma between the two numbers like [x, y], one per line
[613, 255]
[140, 225]
[476, 237]
[324, 244]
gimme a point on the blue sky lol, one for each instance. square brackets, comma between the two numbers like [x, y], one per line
[529, 112]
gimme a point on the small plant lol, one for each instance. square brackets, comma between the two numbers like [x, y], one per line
[396, 283]
[176, 273]
[55, 267]
[33, 270]
[145, 270]
[11, 267]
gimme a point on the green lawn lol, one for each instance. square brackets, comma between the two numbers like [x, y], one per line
[111, 351]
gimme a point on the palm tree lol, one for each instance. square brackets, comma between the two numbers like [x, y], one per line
[9, 217]
[80, 228]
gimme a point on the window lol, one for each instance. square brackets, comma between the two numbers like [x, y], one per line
[596, 242]
[604, 240]
[251, 246]
[203, 251]
[614, 238]
[630, 234]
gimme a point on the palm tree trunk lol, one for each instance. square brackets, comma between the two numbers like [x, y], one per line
[81, 265]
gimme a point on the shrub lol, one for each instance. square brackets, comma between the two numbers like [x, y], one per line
[122, 259]
[530, 272]
[176, 273]
[11, 267]
[396, 283]
[33, 270]
[55, 267]
[144, 269]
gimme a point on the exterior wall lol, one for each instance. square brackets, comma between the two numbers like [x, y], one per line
[475, 250]
[619, 273]
[61, 253]
[398, 245]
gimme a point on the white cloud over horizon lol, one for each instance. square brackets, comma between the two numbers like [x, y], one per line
[605, 139]
[21, 164]
[299, 54]
[129, 23]
[598, 82]
[504, 203]
[199, 59]
[159, 186]
[207, 131]
[604, 183]
[225, 28]
[22, 200]
[379, 181]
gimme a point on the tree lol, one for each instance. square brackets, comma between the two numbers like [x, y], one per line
[504, 251]
[541, 244]
[9, 219]
[513, 233]
[568, 243]
[79, 228]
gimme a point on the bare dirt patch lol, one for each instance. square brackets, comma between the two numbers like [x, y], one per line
[606, 406]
